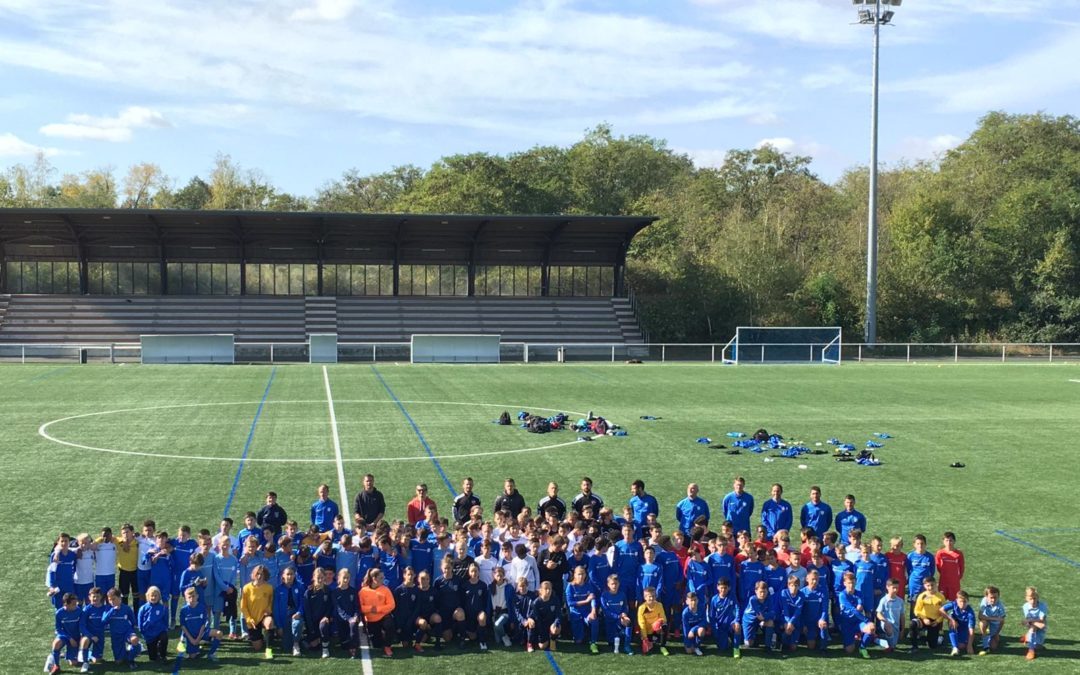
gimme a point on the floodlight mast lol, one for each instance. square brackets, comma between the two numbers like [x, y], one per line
[876, 18]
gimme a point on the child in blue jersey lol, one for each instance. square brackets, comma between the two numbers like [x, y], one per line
[346, 557]
[865, 574]
[698, 575]
[627, 562]
[61, 575]
[347, 623]
[1033, 618]
[305, 566]
[991, 619]
[476, 605]
[721, 563]
[751, 572]
[182, 548]
[919, 566]
[759, 615]
[650, 574]
[502, 607]
[224, 596]
[839, 565]
[449, 614]
[599, 566]
[694, 623]
[154, 625]
[119, 619]
[881, 567]
[325, 556]
[890, 615]
[443, 550]
[582, 608]
[288, 611]
[251, 529]
[319, 612]
[960, 617]
[523, 602]
[618, 624]
[272, 562]
[67, 621]
[160, 560]
[92, 629]
[668, 560]
[725, 618]
[791, 610]
[195, 630]
[815, 616]
[421, 552]
[853, 622]
[776, 574]
[195, 577]
[544, 623]
[408, 598]
[389, 563]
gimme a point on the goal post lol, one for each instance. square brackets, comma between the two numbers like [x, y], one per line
[191, 348]
[785, 344]
[445, 348]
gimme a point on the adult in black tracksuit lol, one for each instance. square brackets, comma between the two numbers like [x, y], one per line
[510, 500]
[465, 501]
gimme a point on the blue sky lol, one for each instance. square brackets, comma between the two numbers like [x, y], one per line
[307, 89]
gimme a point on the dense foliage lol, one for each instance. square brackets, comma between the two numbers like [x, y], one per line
[984, 243]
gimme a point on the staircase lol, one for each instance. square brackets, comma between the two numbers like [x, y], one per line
[320, 315]
[628, 324]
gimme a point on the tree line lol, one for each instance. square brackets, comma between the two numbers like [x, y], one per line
[982, 243]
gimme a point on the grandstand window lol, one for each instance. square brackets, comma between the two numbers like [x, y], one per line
[121, 278]
[508, 280]
[433, 280]
[582, 280]
[43, 277]
[282, 279]
[199, 278]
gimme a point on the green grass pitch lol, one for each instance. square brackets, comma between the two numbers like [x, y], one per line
[1015, 427]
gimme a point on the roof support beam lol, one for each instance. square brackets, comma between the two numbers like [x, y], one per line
[545, 266]
[472, 256]
[84, 271]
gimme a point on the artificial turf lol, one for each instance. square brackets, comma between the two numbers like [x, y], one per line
[1013, 426]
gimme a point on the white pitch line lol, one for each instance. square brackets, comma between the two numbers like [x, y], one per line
[365, 648]
[1076, 381]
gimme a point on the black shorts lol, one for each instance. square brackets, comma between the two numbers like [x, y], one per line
[255, 633]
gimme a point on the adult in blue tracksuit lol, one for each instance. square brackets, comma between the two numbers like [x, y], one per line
[815, 617]
[816, 514]
[690, 509]
[791, 609]
[319, 614]
[739, 506]
[760, 614]
[289, 610]
[849, 519]
[582, 609]
[119, 619]
[324, 509]
[618, 622]
[642, 503]
[725, 617]
[776, 512]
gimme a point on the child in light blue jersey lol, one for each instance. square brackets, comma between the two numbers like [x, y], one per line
[618, 625]
[120, 621]
[759, 615]
[195, 630]
[195, 577]
[815, 617]
[725, 618]
[67, 620]
[92, 629]
[890, 616]
[1033, 618]
[694, 623]
[991, 619]
[60, 578]
[224, 596]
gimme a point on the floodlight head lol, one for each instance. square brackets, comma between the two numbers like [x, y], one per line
[857, 2]
[887, 16]
[866, 16]
[894, 3]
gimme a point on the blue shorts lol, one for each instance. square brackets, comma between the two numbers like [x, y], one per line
[143, 577]
[82, 592]
[851, 631]
[96, 648]
[105, 582]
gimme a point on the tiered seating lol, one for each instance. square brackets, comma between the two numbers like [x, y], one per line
[57, 319]
[533, 319]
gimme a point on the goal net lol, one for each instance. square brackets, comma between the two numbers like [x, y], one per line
[455, 348]
[784, 344]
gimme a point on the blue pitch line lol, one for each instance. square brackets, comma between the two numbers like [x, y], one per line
[1042, 529]
[247, 444]
[416, 430]
[49, 373]
[595, 376]
[1040, 549]
[554, 664]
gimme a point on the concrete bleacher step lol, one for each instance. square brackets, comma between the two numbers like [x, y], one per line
[320, 315]
[5, 300]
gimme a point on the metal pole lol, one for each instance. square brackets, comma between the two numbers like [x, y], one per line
[871, 227]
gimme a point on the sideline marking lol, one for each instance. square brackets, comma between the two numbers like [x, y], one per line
[416, 430]
[49, 373]
[1040, 549]
[1076, 381]
[43, 432]
[247, 444]
[337, 440]
[554, 665]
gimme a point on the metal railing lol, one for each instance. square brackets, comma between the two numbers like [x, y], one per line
[563, 352]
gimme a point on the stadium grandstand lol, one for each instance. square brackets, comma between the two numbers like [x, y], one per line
[77, 276]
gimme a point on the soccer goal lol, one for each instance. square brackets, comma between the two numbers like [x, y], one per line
[784, 344]
[455, 348]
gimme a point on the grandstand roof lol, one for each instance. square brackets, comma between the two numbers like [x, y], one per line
[269, 236]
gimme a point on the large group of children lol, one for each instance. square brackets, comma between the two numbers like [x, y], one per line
[522, 577]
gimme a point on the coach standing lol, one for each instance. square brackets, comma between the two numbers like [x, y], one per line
[369, 502]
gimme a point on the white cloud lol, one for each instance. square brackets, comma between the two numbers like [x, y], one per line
[534, 63]
[705, 158]
[917, 147]
[13, 146]
[831, 76]
[781, 143]
[785, 144]
[764, 118]
[1025, 80]
[113, 129]
[814, 22]
[325, 10]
